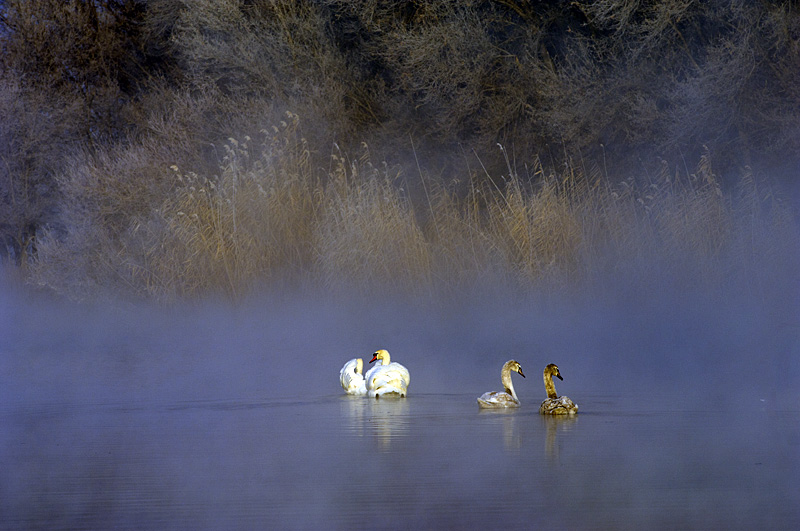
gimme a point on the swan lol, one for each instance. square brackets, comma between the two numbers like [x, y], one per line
[351, 378]
[387, 379]
[555, 405]
[507, 398]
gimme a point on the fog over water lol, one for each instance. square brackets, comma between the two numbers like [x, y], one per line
[542, 139]
[734, 346]
[211, 414]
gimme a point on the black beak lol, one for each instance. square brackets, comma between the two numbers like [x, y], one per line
[559, 377]
[520, 373]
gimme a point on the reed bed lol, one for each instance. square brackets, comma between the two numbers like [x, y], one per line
[270, 218]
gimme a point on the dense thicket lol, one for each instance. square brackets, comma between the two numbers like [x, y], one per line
[99, 98]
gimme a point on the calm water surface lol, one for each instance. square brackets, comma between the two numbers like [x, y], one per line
[329, 461]
[221, 417]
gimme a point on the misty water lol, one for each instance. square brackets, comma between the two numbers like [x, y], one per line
[218, 416]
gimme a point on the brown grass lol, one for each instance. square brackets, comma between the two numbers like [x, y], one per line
[269, 218]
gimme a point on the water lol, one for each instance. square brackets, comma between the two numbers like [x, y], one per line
[220, 418]
[340, 462]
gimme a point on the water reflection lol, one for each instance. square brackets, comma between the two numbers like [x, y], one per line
[384, 419]
[353, 410]
[512, 436]
[553, 424]
[254, 464]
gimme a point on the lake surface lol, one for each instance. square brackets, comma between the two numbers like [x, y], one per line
[338, 462]
[212, 416]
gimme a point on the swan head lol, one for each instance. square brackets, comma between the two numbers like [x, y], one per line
[380, 355]
[552, 370]
[513, 365]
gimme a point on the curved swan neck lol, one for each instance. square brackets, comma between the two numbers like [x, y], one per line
[505, 377]
[359, 366]
[549, 386]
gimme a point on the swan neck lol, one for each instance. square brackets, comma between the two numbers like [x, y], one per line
[505, 377]
[549, 385]
[385, 359]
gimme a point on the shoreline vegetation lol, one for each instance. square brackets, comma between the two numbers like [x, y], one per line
[162, 150]
[267, 216]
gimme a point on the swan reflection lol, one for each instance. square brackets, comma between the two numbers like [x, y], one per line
[554, 424]
[512, 436]
[384, 420]
[353, 409]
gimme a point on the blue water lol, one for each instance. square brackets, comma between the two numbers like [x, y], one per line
[337, 462]
[218, 417]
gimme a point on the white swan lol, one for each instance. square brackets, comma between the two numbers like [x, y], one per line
[387, 379]
[506, 398]
[351, 378]
[555, 405]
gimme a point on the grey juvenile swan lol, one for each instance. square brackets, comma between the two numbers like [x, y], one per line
[507, 397]
[555, 405]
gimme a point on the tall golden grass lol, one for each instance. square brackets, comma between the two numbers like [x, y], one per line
[270, 218]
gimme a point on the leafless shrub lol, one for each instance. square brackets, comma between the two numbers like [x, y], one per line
[94, 123]
[29, 149]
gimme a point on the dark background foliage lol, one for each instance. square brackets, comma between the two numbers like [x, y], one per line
[110, 92]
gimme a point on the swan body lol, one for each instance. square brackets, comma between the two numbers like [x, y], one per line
[554, 404]
[351, 378]
[387, 379]
[506, 398]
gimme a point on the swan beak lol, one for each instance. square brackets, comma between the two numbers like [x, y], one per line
[559, 377]
[374, 357]
[520, 373]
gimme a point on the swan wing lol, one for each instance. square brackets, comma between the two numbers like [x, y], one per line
[394, 367]
[387, 380]
[558, 406]
[352, 382]
[497, 399]
[345, 373]
[402, 371]
[387, 376]
[370, 376]
[357, 386]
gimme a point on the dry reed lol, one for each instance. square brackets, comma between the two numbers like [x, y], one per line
[270, 218]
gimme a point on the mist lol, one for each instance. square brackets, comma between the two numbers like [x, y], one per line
[185, 402]
[730, 344]
[197, 233]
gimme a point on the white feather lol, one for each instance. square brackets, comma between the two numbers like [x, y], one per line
[351, 378]
[387, 379]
